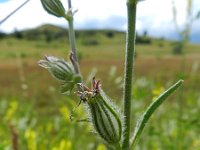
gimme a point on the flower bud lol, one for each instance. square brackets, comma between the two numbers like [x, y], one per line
[60, 70]
[54, 7]
[103, 114]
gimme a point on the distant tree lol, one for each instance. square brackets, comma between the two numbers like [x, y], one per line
[144, 39]
[145, 33]
[18, 34]
[178, 48]
[90, 42]
[32, 35]
[77, 35]
[2, 35]
[110, 34]
[90, 33]
[48, 35]
[60, 35]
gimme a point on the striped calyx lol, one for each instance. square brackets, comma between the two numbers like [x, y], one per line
[54, 7]
[61, 70]
[103, 114]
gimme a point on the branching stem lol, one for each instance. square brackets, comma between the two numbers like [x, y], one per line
[72, 40]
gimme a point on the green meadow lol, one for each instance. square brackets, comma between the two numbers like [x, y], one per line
[35, 115]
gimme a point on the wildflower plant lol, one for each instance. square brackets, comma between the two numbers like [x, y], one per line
[109, 122]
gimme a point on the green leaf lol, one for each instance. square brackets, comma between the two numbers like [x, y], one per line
[150, 110]
[67, 87]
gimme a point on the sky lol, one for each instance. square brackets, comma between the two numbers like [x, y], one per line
[153, 16]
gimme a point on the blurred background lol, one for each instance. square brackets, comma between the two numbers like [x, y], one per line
[35, 116]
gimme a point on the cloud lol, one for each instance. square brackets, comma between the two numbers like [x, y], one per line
[111, 22]
[152, 15]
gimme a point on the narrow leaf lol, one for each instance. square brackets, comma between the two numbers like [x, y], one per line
[150, 110]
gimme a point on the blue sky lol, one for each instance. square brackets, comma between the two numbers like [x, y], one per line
[155, 16]
[3, 1]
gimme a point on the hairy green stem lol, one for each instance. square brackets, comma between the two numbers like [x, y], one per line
[129, 59]
[72, 40]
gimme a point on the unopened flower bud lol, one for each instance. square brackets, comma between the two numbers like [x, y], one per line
[103, 114]
[54, 7]
[60, 70]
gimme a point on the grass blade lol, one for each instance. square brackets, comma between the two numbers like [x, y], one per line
[150, 110]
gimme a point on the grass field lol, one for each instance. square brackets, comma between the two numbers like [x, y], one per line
[36, 115]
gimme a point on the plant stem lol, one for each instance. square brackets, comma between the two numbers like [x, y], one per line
[69, 4]
[14, 11]
[117, 146]
[129, 59]
[73, 40]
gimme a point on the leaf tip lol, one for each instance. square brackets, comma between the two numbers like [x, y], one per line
[180, 82]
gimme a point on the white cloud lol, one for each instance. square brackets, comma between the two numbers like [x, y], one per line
[151, 14]
[29, 16]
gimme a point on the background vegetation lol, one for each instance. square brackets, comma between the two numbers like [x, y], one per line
[34, 115]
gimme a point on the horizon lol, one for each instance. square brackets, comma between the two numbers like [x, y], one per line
[158, 22]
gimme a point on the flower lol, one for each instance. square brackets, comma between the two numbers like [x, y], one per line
[13, 106]
[31, 136]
